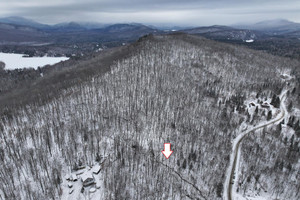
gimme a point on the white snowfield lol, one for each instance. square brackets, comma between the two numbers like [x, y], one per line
[229, 186]
[17, 61]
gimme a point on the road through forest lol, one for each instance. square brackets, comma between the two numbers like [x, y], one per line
[230, 175]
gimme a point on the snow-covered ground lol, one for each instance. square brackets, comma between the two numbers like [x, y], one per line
[14, 61]
[241, 197]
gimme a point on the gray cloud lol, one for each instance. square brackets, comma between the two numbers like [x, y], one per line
[188, 12]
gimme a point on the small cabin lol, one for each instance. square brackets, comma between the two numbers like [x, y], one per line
[72, 177]
[87, 179]
[96, 169]
[265, 105]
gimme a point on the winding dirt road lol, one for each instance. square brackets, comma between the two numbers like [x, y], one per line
[230, 175]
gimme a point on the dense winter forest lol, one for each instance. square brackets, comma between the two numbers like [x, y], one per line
[194, 93]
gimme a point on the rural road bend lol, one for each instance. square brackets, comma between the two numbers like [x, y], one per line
[230, 177]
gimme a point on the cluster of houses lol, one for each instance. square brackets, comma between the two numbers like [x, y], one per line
[86, 175]
[263, 105]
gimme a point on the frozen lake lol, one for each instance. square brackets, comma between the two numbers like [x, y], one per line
[14, 61]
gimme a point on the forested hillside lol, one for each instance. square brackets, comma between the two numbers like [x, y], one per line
[191, 92]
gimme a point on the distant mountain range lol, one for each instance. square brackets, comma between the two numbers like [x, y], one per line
[264, 35]
[225, 33]
[278, 37]
[269, 27]
[67, 25]
[23, 22]
[21, 30]
[278, 26]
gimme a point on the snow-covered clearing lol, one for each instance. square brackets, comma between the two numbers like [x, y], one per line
[72, 188]
[14, 61]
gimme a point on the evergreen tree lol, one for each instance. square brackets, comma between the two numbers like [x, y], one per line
[275, 101]
[269, 115]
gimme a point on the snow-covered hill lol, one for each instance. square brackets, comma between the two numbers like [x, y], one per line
[185, 90]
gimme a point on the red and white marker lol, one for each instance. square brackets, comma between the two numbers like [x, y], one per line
[167, 150]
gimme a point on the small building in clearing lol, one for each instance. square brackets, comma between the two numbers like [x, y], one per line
[87, 179]
[265, 105]
[96, 169]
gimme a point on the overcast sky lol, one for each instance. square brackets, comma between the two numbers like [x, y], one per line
[175, 12]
